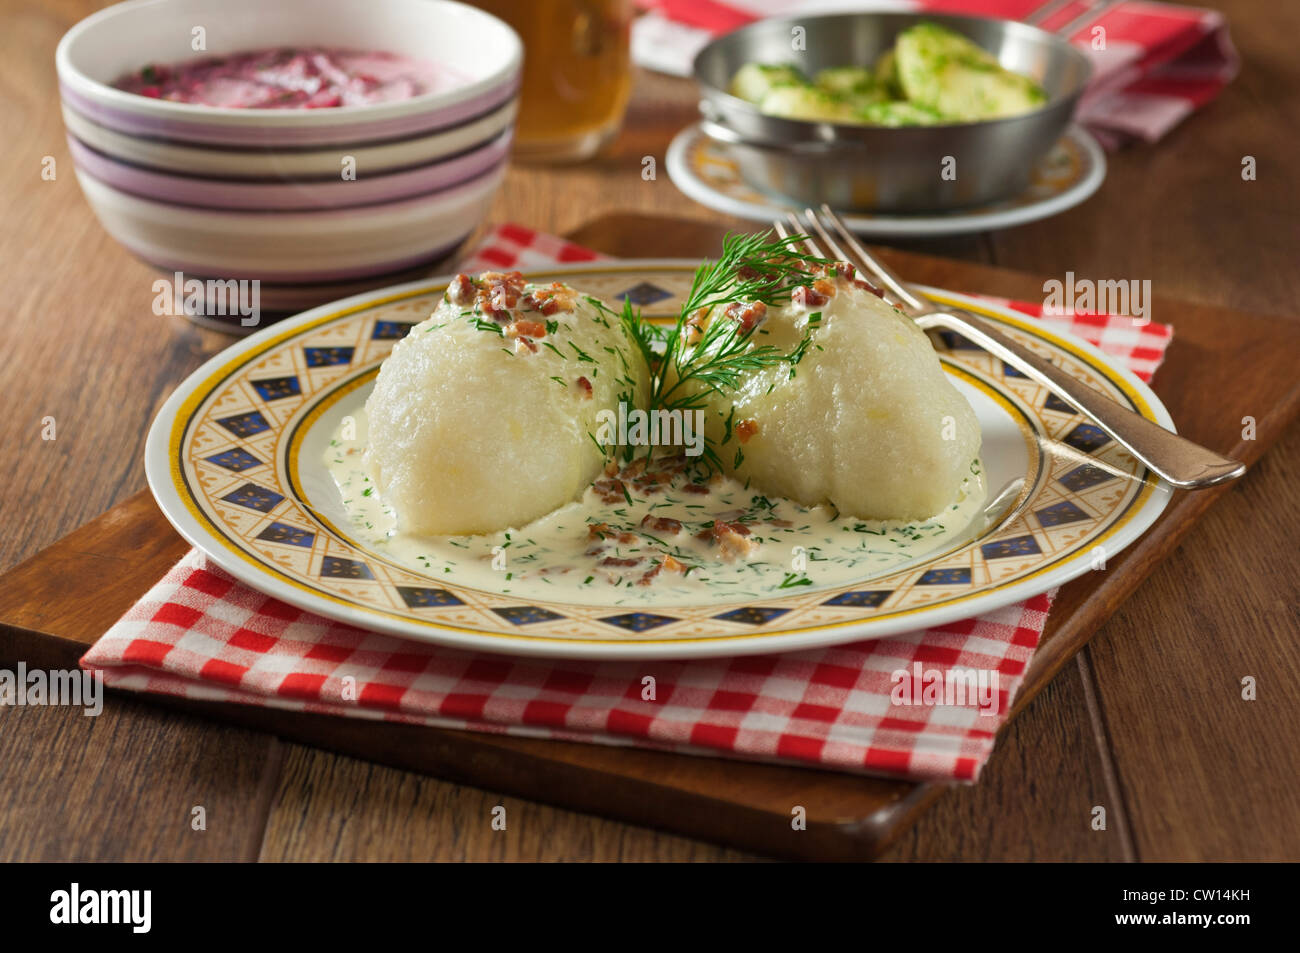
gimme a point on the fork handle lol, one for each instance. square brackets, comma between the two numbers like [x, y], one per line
[1173, 458]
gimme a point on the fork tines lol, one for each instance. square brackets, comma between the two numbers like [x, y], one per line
[826, 236]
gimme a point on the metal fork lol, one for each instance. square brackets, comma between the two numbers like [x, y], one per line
[1174, 459]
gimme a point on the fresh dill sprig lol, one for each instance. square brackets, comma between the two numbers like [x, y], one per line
[753, 269]
[642, 333]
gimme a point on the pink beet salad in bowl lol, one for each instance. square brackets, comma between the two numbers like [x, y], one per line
[318, 146]
[291, 78]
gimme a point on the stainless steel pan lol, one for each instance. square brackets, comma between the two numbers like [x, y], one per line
[876, 168]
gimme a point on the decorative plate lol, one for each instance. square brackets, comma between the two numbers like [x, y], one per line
[1074, 169]
[235, 460]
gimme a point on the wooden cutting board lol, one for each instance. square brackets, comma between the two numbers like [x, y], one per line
[1223, 366]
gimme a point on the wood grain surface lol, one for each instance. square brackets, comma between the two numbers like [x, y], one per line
[1148, 722]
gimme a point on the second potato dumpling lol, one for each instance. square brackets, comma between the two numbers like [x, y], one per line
[863, 417]
[482, 416]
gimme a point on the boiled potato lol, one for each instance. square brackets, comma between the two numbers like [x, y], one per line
[886, 73]
[866, 421]
[931, 75]
[854, 86]
[896, 113]
[946, 72]
[846, 80]
[753, 81]
[805, 102]
[482, 418]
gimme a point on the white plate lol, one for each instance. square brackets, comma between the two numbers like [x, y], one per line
[235, 460]
[1070, 173]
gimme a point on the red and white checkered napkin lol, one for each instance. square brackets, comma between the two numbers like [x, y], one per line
[1158, 63]
[200, 634]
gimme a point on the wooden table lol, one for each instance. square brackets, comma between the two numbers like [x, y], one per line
[1149, 722]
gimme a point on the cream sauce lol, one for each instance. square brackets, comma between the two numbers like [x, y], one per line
[609, 547]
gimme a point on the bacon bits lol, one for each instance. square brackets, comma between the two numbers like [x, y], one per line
[617, 562]
[746, 315]
[603, 531]
[731, 539]
[693, 328]
[522, 328]
[807, 297]
[461, 290]
[746, 429]
[584, 387]
[865, 285]
[493, 293]
[523, 332]
[668, 565]
[502, 289]
[497, 294]
[558, 297]
[846, 271]
[661, 524]
[609, 490]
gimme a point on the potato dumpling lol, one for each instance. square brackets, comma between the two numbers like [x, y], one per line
[866, 420]
[753, 81]
[482, 418]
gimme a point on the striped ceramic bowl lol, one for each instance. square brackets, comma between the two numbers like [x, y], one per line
[315, 204]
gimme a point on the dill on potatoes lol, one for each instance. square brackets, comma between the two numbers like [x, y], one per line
[753, 269]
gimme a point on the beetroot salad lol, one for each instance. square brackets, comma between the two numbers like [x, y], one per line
[290, 78]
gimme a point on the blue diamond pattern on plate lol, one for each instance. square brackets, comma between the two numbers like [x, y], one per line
[1080, 478]
[865, 599]
[751, 615]
[638, 621]
[336, 567]
[955, 576]
[277, 388]
[326, 356]
[1086, 438]
[526, 615]
[1055, 403]
[245, 425]
[235, 459]
[417, 597]
[254, 497]
[1058, 514]
[390, 330]
[1015, 546]
[1009, 371]
[644, 294]
[289, 535]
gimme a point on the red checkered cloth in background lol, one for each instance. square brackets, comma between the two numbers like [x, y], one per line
[1159, 63]
[200, 634]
